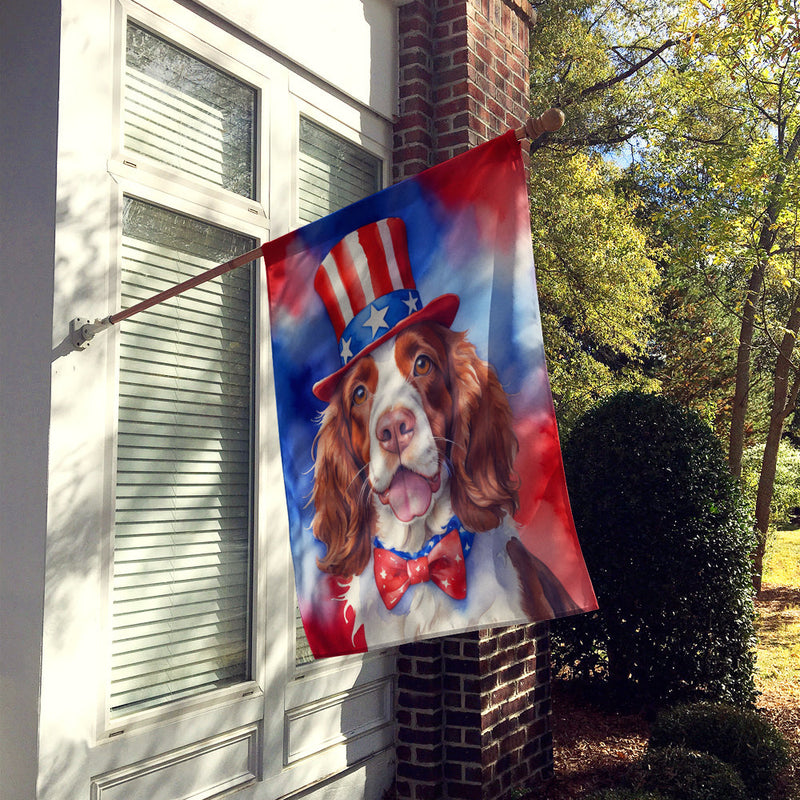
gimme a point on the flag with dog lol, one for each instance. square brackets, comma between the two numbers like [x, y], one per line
[420, 455]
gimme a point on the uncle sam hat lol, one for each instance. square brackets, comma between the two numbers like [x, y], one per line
[370, 295]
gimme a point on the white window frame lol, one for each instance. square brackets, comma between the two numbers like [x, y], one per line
[137, 177]
[314, 687]
[226, 741]
[281, 698]
[260, 725]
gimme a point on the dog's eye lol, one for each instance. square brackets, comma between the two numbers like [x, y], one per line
[423, 365]
[359, 394]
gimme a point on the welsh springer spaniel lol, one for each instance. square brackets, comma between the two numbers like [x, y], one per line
[415, 491]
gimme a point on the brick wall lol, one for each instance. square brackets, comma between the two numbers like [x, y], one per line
[463, 77]
[473, 714]
[473, 711]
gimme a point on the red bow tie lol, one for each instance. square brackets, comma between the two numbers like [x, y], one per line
[444, 565]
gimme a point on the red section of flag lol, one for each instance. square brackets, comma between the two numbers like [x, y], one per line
[369, 238]
[349, 276]
[398, 234]
[329, 622]
[322, 284]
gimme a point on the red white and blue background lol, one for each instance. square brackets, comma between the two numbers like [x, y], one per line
[422, 468]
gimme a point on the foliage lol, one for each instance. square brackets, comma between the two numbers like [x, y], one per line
[666, 540]
[595, 273]
[703, 100]
[786, 491]
[597, 60]
[718, 162]
[695, 342]
[739, 737]
[683, 774]
[596, 282]
[722, 168]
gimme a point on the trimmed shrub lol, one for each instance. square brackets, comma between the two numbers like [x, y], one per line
[741, 738]
[667, 539]
[683, 774]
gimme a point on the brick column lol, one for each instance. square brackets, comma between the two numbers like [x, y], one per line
[496, 709]
[473, 714]
[473, 711]
[420, 721]
[463, 77]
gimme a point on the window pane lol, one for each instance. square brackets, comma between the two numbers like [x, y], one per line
[333, 173]
[185, 113]
[182, 542]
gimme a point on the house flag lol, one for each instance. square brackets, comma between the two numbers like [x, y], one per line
[420, 455]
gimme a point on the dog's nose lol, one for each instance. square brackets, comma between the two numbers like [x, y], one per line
[395, 430]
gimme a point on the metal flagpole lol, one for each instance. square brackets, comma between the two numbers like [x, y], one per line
[82, 330]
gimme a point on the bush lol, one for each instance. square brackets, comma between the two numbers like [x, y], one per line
[667, 540]
[683, 774]
[743, 739]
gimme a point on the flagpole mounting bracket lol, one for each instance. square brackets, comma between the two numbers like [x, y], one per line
[82, 330]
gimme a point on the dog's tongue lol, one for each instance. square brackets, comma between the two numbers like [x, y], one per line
[409, 495]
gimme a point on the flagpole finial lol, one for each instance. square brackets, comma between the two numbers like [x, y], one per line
[534, 127]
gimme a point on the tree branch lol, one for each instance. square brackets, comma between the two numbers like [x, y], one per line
[601, 86]
[720, 140]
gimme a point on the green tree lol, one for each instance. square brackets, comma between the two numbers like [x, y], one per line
[597, 279]
[695, 341]
[598, 60]
[723, 163]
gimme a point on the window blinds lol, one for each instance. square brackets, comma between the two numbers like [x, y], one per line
[182, 543]
[188, 115]
[333, 173]
[181, 593]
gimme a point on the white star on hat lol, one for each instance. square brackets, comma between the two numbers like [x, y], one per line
[347, 353]
[377, 320]
[411, 303]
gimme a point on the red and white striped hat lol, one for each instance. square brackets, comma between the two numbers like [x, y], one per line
[369, 292]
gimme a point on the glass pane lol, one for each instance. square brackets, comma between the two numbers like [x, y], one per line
[333, 172]
[182, 541]
[187, 114]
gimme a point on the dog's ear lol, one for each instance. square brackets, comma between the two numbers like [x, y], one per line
[485, 486]
[343, 518]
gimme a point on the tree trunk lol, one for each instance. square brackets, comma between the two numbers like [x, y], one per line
[766, 240]
[742, 389]
[784, 398]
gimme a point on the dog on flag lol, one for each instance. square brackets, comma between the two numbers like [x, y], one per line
[414, 483]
